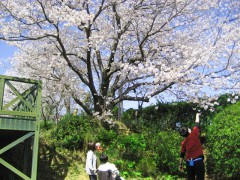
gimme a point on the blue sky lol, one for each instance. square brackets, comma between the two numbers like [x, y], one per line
[6, 52]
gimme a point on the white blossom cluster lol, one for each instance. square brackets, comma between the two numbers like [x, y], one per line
[104, 52]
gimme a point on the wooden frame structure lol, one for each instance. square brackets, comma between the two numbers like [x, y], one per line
[20, 112]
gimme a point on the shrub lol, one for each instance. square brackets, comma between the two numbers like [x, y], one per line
[127, 168]
[106, 136]
[223, 142]
[131, 120]
[73, 131]
[161, 116]
[47, 125]
[147, 154]
[110, 124]
[147, 166]
[132, 146]
[166, 149]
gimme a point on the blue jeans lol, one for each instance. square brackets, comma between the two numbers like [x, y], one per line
[196, 170]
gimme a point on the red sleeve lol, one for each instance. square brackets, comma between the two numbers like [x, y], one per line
[196, 131]
[183, 147]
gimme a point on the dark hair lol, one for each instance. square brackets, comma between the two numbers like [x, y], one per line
[103, 158]
[184, 132]
[91, 146]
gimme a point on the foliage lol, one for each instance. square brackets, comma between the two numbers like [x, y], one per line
[106, 136]
[149, 152]
[226, 99]
[146, 154]
[223, 142]
[47, 124]
[147, 166]
[132, 147]
[131, 120]
[59, 163]
[127, 168]
[72, 132]
[161, 116]
[110, 124]
[222, 102]
[165, 147]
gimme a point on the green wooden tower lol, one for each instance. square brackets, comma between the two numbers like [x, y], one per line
[20, 112]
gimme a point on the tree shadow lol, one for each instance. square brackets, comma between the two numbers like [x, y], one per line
[51, 164]
[19, 156]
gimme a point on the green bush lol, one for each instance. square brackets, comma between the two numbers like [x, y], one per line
[166, 149]
[47, 125]
[127, 168]
[132, 146]
[73, 131]
[110, 125]
[161, 116]
[125, 151]
[223, 142]
[147, 166]
[147, 154]
[106, 136]
[131, 120]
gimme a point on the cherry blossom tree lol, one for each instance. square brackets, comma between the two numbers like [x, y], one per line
[88, 50]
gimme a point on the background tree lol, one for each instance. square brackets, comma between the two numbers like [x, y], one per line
[223, 144]
[82, 48]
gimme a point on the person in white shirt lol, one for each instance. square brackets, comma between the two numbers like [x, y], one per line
[107, 171]
[91, 161]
